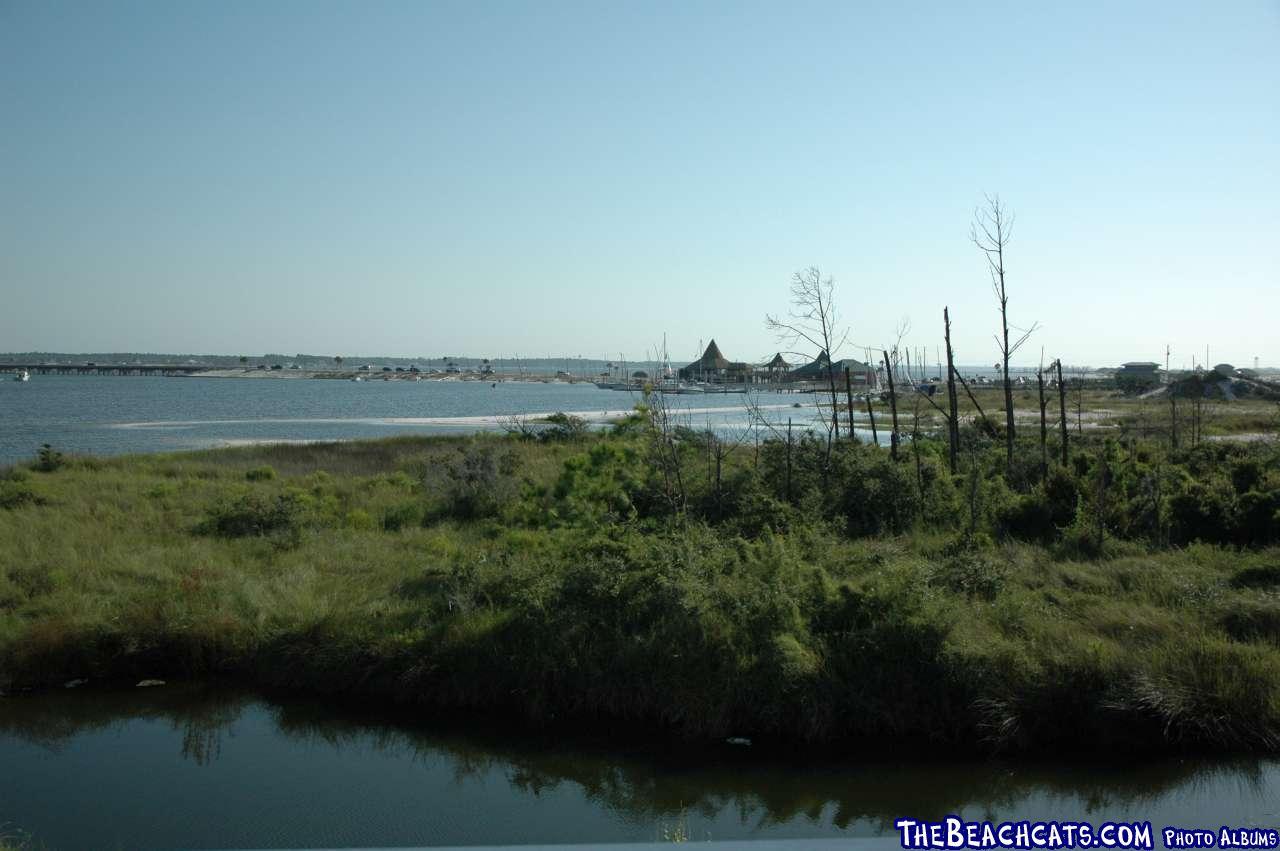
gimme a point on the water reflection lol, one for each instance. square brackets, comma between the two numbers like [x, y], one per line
[636, 785]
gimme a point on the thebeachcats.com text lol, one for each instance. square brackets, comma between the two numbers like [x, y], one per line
[956, 833]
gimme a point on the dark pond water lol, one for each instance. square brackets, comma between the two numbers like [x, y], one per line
[105, 415]
[192, 767]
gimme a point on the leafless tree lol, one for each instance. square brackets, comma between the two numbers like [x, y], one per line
[664, 451]
[953, 410]
[1044, 425]
[991, 231]
[814, 319]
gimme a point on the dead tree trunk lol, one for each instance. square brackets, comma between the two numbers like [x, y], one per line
[1062, 411]
[848, 395]
[991, 231]
[953, 422]
[893, 409]
[871, 415]
[788, 459]
[1044, 426]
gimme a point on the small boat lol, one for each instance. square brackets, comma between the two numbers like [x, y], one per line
[357, 378]
[22, 375]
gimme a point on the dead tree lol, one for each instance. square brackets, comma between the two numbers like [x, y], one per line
[1044, 426]
[871, 415]
[987, 426]
[953, 417]
[814, 319]
[893, 408]
[1062, 410]
[848, 394]
[991, 230]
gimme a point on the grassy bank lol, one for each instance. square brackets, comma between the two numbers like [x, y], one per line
[1128, 600]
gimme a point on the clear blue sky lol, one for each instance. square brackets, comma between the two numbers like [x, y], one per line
[533, 178]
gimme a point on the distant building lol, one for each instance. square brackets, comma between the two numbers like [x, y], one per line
[716, 368]
[1138, 374]
[861, 375]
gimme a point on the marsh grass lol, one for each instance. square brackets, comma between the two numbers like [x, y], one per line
[339, 574]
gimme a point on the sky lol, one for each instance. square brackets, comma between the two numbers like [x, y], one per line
[547, 178]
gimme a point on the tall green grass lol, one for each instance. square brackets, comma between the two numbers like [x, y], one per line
[574, 599]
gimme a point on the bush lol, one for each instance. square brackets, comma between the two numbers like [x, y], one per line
[1028, 518]
[261, 474]
[49, 459]
[876, 494]
[402, 516]
[1202, 512]
[1256, 518]
[602, 486]
[254, 514]
[17, 494]
[475, 483]
[965, 565]
[564, 427]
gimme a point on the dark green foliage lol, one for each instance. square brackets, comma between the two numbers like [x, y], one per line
[875, 495]
[564, 427]
[1202, 512]
[260, 474]
[402, 516]
[1258, 576]
[967, 565]
[1042, 514]
[1028, 518]
[255, 514]
[478, 481]
[16, 494]
[48, 459]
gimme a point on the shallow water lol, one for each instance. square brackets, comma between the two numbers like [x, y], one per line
[193, 767]
[108, 415]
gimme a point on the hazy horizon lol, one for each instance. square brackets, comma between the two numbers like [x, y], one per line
[509, 179]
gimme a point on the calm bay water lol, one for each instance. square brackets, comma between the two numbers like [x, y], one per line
[108, 415]
[188, 767]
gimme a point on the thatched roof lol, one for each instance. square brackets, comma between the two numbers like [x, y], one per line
[711, 359]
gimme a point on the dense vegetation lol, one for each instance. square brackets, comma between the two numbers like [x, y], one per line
[794, 589]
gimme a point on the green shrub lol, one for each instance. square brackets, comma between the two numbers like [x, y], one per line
[876, 495]
[1256, 516]
[359, 520]
[254, 514]
[402, 516]
[260, 474]
[965, 565]
[1028, 518]
[17, 494]
[1203, 512]
[49, 459]
[477, 482]
[563, 427]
